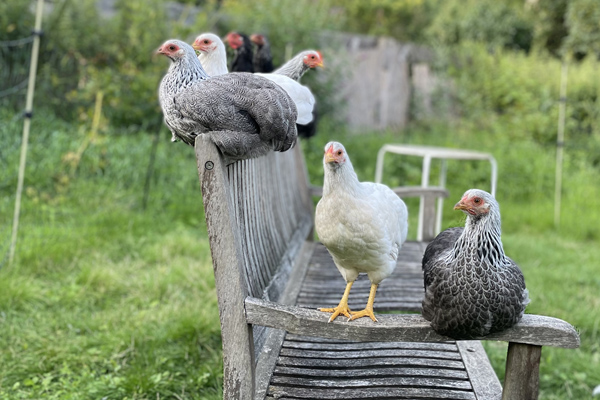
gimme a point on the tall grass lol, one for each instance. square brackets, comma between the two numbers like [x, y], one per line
[106, 299]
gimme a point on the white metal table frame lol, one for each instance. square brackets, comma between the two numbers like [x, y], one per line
[428, 153]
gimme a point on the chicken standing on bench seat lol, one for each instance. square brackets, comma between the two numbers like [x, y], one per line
[362, 224]
[471, 287]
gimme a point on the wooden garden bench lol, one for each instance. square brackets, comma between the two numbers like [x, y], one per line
[270, 277]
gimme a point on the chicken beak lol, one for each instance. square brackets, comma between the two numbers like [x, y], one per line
[320, 64]
[196, 46]
[461, 206]
[329, 158]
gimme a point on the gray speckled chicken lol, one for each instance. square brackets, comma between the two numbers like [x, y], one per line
[245, 115]
[297, 66]
[471, 287]
[362, 224]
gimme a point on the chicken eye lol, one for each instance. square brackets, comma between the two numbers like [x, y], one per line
[172, 48]
[206, 41]
[339, 153]
[313, 57]
[477, 200]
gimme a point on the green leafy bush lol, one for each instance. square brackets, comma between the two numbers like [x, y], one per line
[582, 20]
[495, 23]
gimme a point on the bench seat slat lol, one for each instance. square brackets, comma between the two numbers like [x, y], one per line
[373, 372]
[286, 392]
[370, 353]
[362, 363]
[390, 381]
[345, 346]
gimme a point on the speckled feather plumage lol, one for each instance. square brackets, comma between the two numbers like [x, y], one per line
[471, 287]
[295, 67]
[301, 95]
[245, 114]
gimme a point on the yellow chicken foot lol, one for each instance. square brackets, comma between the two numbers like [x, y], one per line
[368, 311]
[342, 308]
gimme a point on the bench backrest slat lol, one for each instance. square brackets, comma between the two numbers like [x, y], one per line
[267, 218]
[268, 206]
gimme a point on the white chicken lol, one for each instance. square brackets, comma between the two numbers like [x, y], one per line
[213, 55]
[214, 61]
[362, 224]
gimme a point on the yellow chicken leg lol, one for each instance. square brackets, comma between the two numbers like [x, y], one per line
[342, 308]
[368, 311]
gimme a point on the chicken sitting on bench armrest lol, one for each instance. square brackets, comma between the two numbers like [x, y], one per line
[471, 287]
[362, 224]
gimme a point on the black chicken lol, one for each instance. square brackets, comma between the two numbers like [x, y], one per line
[263, 60]
[242, 46]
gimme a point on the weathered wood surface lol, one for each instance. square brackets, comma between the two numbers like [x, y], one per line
[385, 94]
[522, 372]
[267, 358]
[532, 329]
[288, 393]
[323, 285]
[483, 379]
[259, 215]
[273, 215]
[238, 351]
[318, 368]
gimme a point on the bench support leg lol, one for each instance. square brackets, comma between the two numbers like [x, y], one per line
[522, 378]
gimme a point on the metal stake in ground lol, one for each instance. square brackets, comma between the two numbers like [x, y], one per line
[26, 125]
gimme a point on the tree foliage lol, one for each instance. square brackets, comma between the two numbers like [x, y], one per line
[495, 23]
[582, 19]
[403, 19]
[550, 29]
[84, 51]
[16, 21]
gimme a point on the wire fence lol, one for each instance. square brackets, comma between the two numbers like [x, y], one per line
[15, 58]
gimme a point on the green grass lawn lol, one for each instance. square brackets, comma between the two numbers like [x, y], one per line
[110, 300]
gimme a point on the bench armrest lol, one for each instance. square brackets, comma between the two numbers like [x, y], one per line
[532, 329]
